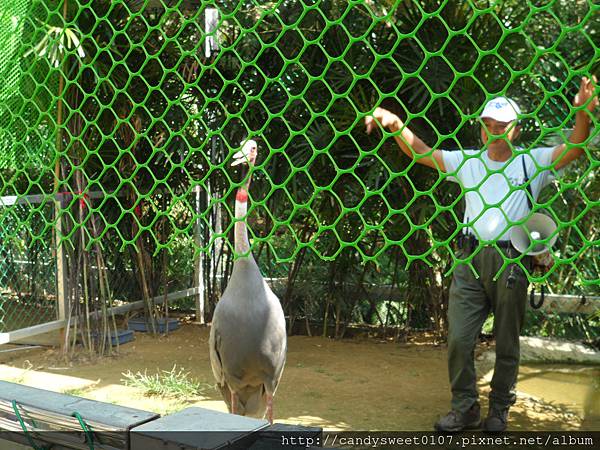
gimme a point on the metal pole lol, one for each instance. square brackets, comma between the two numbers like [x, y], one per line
[198, 263]
[218, 263]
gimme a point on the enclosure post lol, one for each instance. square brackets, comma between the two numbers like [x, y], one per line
[198, 266]
[211, 21]
[61, 269]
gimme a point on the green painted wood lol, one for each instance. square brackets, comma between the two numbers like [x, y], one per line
[49, 417]
[113, 416]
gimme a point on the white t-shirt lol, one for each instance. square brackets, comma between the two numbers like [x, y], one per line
[470, 167]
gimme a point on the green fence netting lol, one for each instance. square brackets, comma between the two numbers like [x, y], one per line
[121, 118]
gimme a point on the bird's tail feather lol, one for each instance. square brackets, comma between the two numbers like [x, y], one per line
[251, 401]
[254, 401]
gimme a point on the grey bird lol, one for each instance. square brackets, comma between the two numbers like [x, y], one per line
[248, 341]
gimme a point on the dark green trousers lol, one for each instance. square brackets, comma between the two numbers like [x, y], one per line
[471, 300]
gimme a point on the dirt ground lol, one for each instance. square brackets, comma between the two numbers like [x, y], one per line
[356, 384]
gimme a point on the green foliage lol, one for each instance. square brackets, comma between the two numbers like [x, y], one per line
[168, 383]
[565, 326]
[488, 325]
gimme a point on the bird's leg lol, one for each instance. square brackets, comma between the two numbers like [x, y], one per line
[270, 408]
[233, 402]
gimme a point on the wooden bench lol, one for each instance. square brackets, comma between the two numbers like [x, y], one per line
[49, 418]
[67, 421]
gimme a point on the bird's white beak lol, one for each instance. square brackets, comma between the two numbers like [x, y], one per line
[239, 158]
[244, 155]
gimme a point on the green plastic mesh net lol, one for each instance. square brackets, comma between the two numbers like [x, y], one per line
[118, 120]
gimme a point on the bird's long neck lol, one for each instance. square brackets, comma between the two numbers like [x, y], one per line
[241, 242]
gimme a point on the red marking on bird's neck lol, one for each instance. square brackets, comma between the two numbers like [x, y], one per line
[241, 196]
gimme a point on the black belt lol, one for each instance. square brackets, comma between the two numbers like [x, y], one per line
[471, 242]
[501, 244]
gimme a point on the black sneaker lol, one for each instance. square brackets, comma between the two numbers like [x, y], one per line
[457, 421]
[496, 420]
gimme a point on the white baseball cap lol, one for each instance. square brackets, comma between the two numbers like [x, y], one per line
[501, 109]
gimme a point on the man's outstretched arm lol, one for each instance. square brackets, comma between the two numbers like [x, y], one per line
[410, 143]
[560, 155]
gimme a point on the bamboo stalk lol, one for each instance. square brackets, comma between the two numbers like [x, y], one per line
[105, 334]
[145, 290]
[112, 314]
[86, 299]
[76, 306]
[165, 281]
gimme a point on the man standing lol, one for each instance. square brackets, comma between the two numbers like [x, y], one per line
[492, 181]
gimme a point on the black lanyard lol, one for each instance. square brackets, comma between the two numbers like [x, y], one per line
[529, 194]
